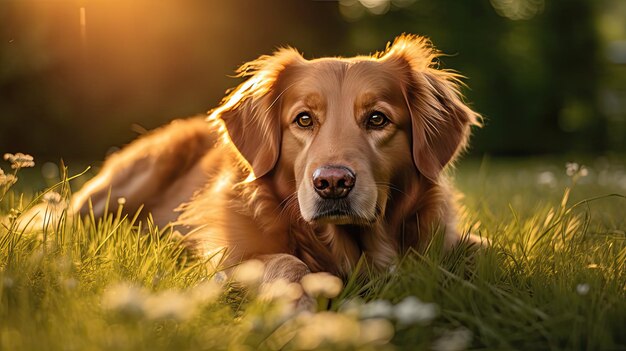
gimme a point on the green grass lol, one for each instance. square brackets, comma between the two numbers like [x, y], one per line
[554, 279]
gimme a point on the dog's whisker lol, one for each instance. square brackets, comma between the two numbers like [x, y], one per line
[392, 187]
[286, 206]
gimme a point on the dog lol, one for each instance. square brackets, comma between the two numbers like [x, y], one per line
[307, 165]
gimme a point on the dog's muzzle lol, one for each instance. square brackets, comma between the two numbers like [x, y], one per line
[333, 182]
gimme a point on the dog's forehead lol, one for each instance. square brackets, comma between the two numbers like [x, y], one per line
[348, 78]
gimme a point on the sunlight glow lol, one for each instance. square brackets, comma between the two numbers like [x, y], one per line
[251, 88]
[221, 183]
[518, 9]
[251, 177]
[83, 24]
[352, 10]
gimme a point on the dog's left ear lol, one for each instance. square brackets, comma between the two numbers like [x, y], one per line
[250, 112]
[440, 121]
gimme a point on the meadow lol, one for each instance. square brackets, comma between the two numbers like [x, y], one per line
[554, 277]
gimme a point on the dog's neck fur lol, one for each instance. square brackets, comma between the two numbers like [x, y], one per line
[416, 210]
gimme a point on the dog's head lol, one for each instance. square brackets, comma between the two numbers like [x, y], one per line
[336, 132]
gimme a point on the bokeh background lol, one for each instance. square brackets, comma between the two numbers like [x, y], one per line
[81, 77]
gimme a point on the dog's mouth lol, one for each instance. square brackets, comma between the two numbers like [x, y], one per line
[338, 212]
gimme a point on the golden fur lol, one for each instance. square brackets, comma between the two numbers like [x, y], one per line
[241, 179]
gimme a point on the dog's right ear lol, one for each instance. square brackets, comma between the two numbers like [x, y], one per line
[250, 112]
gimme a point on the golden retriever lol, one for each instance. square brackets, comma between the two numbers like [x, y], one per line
[308, 164]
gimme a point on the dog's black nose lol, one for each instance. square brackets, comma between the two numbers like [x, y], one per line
[333, 182]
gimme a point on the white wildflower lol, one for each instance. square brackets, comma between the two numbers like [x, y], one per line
[280, 289]
[321, 284]
[20, 160]
[351, 307]
[170, 304]
[206, 292]
[411, 310]
[571, 168]
[283, 311]
[377, 309]
[326, 327]
[453, 340]
[220, 277]
[546, 178]
[52, 198]
[582, 289]
[124, 298]
[7, 179]
[375, 331]
[250, 272]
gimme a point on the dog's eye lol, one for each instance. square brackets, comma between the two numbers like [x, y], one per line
[304, 120]
[377, 120]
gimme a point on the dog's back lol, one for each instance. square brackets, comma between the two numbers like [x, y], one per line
[160, 171]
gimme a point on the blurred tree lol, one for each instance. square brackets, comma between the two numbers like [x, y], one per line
[68, 94]
[533, 68]
[72, 86]
[571, 46]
